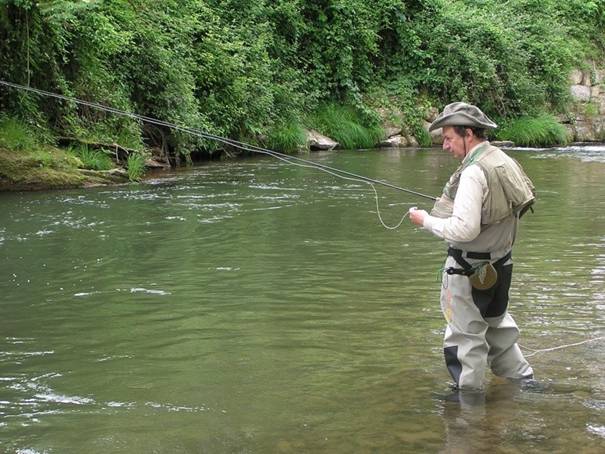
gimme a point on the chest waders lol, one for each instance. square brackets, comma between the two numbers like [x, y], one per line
[480, 332]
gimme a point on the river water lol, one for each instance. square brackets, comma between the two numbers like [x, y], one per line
[256, 307]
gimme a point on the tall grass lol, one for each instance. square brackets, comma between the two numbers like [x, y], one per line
[288, 137]
[92, 159]
[135, 166]
[423, 137]
[541, 131]
[345, 125]
[14, 135]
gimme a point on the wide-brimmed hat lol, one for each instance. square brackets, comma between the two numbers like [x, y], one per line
[462, 114]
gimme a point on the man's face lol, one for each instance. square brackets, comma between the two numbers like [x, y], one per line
[453, 143]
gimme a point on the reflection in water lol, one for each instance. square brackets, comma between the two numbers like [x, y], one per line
[512, 415]
[256, 307]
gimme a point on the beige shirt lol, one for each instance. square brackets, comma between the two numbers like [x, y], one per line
[463, 230]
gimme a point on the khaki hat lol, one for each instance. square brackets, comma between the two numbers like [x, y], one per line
[462, 114]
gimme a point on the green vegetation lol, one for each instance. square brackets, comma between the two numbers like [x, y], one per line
[346, 126]
[287, 137]
[92, 159]
[26, 162]
[424, 138]
[15, 135]
[244, 68]
[543, 130]
[135, 167]
[45, 167]
[591, 110]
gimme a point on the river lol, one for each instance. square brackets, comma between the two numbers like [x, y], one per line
[252, 307]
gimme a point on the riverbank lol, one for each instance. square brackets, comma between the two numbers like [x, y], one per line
[57, 169]
[51, 169]
[30, 158]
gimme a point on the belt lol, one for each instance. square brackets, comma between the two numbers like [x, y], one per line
[467, 268]
[469, 254]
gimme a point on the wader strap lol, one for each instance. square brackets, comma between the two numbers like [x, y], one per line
[467, 268]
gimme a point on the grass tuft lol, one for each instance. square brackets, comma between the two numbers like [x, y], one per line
[14, 135]
[344, 125]
[423, 137]
[92, 159]
[541, 131]
[135, 167]
[287, 137]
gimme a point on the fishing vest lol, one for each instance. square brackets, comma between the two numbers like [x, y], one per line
[510, 191]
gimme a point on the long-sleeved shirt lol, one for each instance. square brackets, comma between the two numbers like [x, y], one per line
[463, 230]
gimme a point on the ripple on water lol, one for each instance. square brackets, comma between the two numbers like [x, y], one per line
[271, 208]
[175, 408]
[212, 219]
[274, 187]
[35, 398]
[76, 223]
[81, 294]
[149, 291]
[208, 196]
[83, 200]
[49, 396]
[585, 153]
[21, 355]
[596, 430]
[595, 404]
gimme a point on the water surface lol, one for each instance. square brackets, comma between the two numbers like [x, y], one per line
[255, 307]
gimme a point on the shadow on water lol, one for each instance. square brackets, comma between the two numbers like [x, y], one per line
[252, 306]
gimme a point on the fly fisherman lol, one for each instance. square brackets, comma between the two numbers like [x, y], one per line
[477, 215]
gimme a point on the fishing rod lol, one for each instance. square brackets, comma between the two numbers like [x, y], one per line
[206, 135]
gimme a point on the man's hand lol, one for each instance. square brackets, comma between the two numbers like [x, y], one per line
[417, 216]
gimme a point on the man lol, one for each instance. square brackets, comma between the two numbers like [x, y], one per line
[478, 215]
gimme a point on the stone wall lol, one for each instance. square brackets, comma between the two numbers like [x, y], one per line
[586, 119]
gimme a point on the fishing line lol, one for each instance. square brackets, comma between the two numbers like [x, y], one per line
[389, 227]
[293, 160]
[560, 347]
